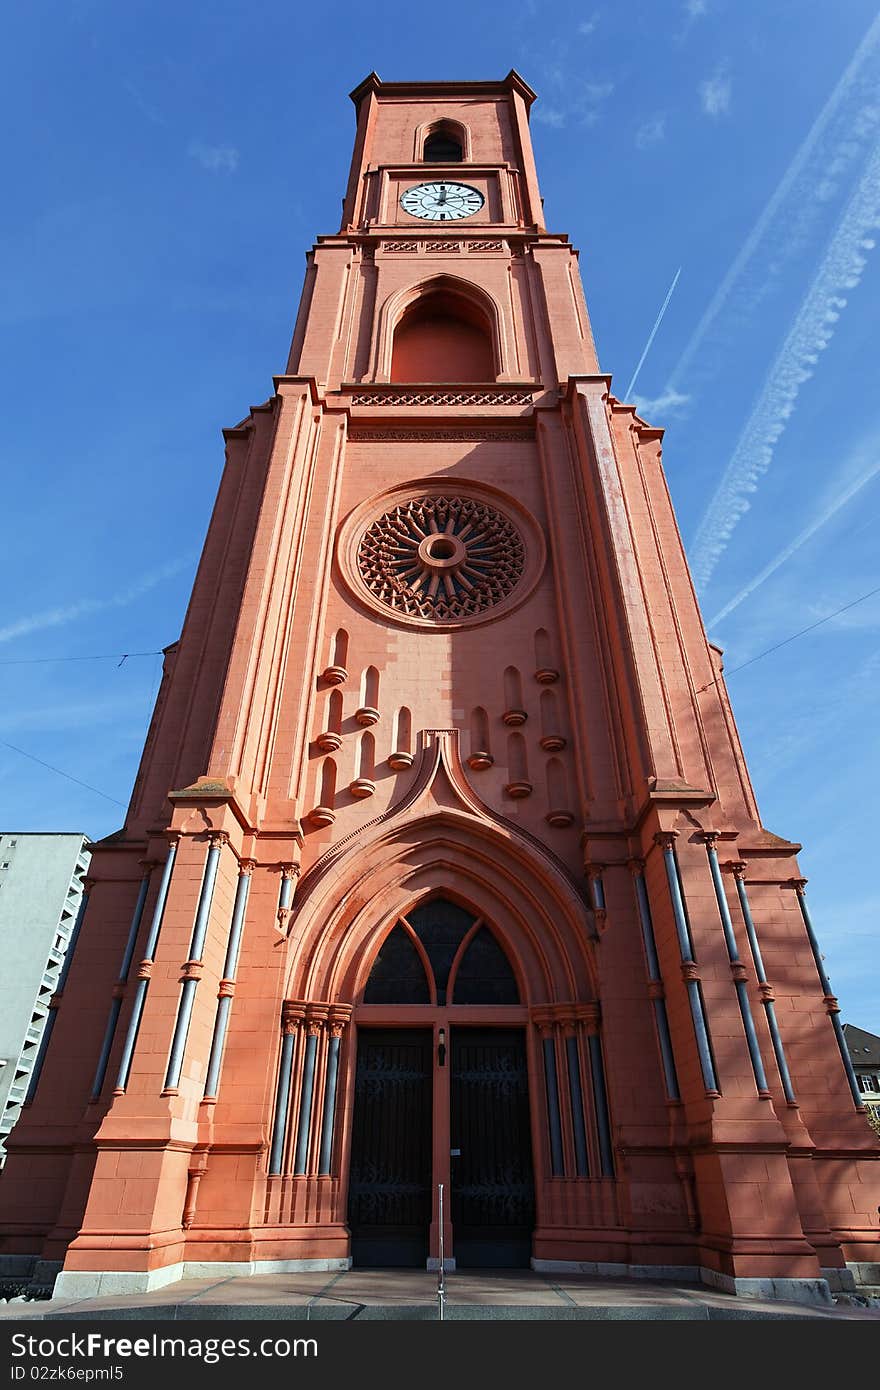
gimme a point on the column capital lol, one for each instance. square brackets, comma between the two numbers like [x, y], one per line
[246, 867]
[709, 838]
[636, 866]
[148, 865]
[666, 839]
[737, 867]
[290, 870]
[338, 1019]
[798, 884]
[218, 839]
[292, 1014]
[588, 1016]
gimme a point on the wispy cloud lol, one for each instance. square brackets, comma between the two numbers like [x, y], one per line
[145, 107]
[840, 270]
[217, 159]
[715, 94]
[694, 9]
[549, 115]
[84, 607]
[825, 515]
[834, 143]
[111, 714]
[651, 132]
[588, 26]
[665, 404]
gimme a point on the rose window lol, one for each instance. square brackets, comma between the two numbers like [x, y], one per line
[441, 558]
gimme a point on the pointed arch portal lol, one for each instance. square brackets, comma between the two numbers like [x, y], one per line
[463, 953]
[457, 1085]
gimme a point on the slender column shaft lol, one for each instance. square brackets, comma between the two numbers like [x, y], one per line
[230, 967]
[143, 983]
[695, 998]
[742, 993]
[600, 1101]
[557, 1160]
[767, 1000]
[282, 1101]
[830, 1001]
[663, 1035]
[329, 1107]
[116, 1002]
[196, 951]
[305, 1105]
[576, 1095]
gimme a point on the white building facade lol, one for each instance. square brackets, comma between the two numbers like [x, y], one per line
[42, 889]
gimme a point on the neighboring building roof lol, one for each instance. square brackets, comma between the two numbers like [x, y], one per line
[863, 1048]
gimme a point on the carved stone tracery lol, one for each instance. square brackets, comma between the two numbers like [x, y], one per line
[441, 557]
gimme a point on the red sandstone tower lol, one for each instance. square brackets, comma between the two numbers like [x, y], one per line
[443, 864]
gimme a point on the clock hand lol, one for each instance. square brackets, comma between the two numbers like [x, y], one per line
[442, 198]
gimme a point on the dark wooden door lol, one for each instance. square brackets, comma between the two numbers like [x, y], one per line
[493, 1198]
[389, 1194]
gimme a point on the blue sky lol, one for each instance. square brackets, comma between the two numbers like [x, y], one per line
[167, 166]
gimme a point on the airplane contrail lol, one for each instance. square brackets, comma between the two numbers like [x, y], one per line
[791, 549]
[814, 324]
[830, 165]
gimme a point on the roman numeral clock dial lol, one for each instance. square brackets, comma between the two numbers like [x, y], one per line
[442, 202]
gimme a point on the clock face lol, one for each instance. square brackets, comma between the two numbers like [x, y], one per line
[442, 202]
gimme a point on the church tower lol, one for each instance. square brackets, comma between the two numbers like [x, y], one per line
[443, 864]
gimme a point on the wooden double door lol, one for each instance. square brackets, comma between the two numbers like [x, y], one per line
[393, 1183]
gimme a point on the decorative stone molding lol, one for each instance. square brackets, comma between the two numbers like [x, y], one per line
[517, 790]
[558, 818]
[362, 787]
[546, 675]
[440, 434]
[513, 718]
[367, 715]
[479, 760]
[334, 675]
[322, 815]
[553, 743]
[399, 760]
[328, 742]
[393, 396]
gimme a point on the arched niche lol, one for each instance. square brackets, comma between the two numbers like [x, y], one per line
[443, 330]
[434, 135]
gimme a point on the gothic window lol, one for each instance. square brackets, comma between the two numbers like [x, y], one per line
[484, 975]
[457, 946]
[442, 147]
[397, 976]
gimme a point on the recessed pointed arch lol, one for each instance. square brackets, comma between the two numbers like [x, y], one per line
[451, 299]
[437, 140]
[535, 912]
